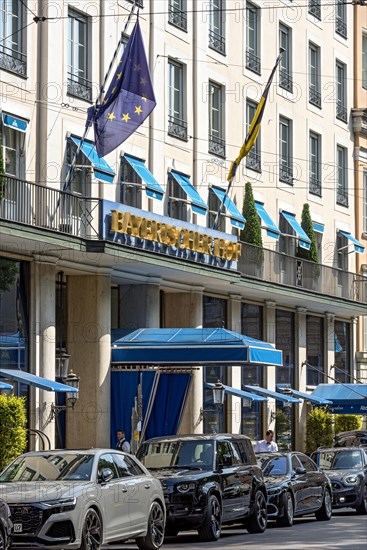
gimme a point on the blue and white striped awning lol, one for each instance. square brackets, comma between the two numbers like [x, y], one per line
[318, 227]
[358, 246]
[237, 220]
[269, 393]
[270, 226]
[4, 386]
[197, 203]
[15, 123]
[36, 381]
[152, 187]
[102, 170]
[304, 240]
[240, 393]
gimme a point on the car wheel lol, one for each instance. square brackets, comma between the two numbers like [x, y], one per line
[258, 519]
[155, 533]
[362, 508]
[92, 534]
[212, 526]
[324, 514]
[287, 504]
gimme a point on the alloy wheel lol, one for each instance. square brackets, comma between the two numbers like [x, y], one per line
[216, 517]
[156, 525]
[290, 511]
[262, 516]
[328, 503]
[92, 531]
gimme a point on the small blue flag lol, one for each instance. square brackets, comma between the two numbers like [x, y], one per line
[129, 100]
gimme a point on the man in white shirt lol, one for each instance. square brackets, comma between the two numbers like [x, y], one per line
[122, 443]
[267, 445]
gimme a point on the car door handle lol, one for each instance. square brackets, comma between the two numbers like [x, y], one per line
[147, 486]
[237, 476]
[124, 489]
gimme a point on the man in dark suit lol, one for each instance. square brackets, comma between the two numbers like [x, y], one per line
[122, 443]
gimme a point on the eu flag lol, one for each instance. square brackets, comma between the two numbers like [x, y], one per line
[129, 100]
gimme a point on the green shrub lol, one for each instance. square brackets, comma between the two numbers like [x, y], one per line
[13, 438]
[307, 226]
[347, 422]
[251, 233]
[319, 429]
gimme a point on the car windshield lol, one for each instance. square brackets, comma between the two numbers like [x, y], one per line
[176, 454]
[338, 460]
[277, 466]
[49, 467]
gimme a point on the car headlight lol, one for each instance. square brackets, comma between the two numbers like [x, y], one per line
[273, 491]
[351, 480]
[185, 487]
[60, 505]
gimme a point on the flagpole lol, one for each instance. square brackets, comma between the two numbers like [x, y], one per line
[70, 173]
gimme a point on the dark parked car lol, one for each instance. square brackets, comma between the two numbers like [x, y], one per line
[295, 486]
[355, 438]
[347, 470]
[6, 526]
[208, 480]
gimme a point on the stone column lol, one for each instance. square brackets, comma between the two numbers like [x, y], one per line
[329, 345]
[269, 372]
[301, 377]
[89, 345]
[140, 305]
[353, 349]
[234, 404]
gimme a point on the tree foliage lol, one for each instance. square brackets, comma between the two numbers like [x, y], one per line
[307, 226]
[13, 437]
[347, 422]
[8, 274]
[251, 233]
[319, 429]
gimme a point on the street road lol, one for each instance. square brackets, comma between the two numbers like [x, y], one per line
[346, 530]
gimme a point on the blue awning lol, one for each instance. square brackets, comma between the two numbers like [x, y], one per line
[15, 123]
[237, 220]
[343, 394]
[36, 381]
[152, 187]
[4, 386]
[102, 170]
[270, 226]
[240, 393]
[306, 396]
[197, 203]
[358, 247]
[196, 346]
[318, 227]
[274, 394]
[304, 240]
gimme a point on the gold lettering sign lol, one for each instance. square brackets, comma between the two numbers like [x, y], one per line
[170, 235]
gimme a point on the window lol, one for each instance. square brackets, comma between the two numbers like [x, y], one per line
[126, 466]
[177, 125]
[12, 37]
[253, 158]
[364, 61]
[130, 186]
[81, 183]
[285, 67]
[177, 201]
[295, 463]
[314, 350]
[342, 176]
[215, 419]
[314, 8]
[341, 18]
[287, 245]
[224, 454]
[341, 92]
[253, 62]
[285, 341]
[214, 205]
[342, 254]
[365, 201]
[314, 89]
[106, 461]
[217, 40]
[78, 83]
[315, 164]
[214, 312]
[177, 14]
[216, 120]
[307, 463]
[342, 352]
[245, 449]
[13, 152]
[285, 151]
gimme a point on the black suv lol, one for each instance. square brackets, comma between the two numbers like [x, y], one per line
[208, 480]
[355, 438]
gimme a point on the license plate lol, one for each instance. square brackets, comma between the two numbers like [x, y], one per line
[18, 528]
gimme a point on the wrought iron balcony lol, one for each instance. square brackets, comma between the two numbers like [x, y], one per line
[341, 111]
[286, 173]
[217, 42]
[253, 62]
[340, 26]
[342, 197]
[285, 80]
[314, 8]
[315, 186]
[79, 87]
[13, 61]
[315, 96]
[253, 161]
[177, 128]
[177, 18]
[217, 146]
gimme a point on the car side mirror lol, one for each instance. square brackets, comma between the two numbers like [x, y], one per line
[105, 476]
[300, 471]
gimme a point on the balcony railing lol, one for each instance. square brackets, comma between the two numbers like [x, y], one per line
[315, 186]
[217, 146]
[285, 80]
[253, 62]
[340, 26]
[11, 60]
[79, 87]
[177, 18]
[274, 267]
[314, 8]
[341, 112]
[286, 173]
[253, 161]
[177, 128]
[315, 96]
[342, 197]
[39, 206]
[217, 42]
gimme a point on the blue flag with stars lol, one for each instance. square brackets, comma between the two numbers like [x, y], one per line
[129, 100]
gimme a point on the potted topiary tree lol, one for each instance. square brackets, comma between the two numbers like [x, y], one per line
[251, 233]
[319, 429]
[310, 273]
[13, 435]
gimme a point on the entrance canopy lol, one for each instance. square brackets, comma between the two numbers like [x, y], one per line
[36, 381]
[345, 398]
[192, 347]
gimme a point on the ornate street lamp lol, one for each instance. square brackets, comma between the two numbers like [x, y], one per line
[218, 393]
[62, 363]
